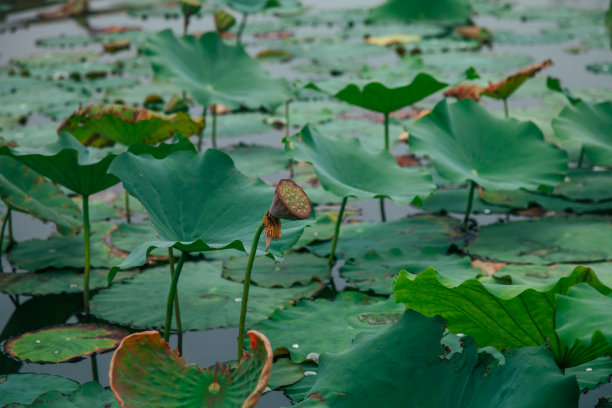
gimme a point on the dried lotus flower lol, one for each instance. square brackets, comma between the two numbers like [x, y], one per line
[290, 202]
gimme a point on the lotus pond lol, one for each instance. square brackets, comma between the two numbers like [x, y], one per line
[274, 203]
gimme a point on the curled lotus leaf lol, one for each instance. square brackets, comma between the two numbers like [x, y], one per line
[143, 359]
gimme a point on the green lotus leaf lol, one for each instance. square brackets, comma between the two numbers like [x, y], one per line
[213, 72]
[536, 275]
[443, 10]
[408, 233]
[482, 62]
[63, 343]
[285, 372]
[67, 162]
[521, 199]
[105, 125]
[31, 136]
[406, 364]
[55, 281]
[590, 375]
[27, 101]
[199, 202]
[135, 205]
[375, 271]
[547, 240]
[207, 300]
[252, 6]
[25, 190]
[24, 388]
[366, 131]
[139, 95]
[497, 314]
[91, 394]
[379, 97]
[583, 316]
[295, 268]
[346, 169]
[323, 230]
[334, 50]
[242, 124]
[303, 112]
[516, 156]
[128, 236]
[313, 327]
[586, 185]
[98, 210]
[454, 199]
[144, 358]
[600, 68]
[257, 161]
[64, 251]
[589, 124]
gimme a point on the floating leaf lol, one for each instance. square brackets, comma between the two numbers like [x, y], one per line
[295, 268]
[547, 240]
[481, 62]
[600, 68]
[105, 125]
[128, 236]
[313, 327]
[445, 10]
[406, 363]
[521, 199]
[206, 299]
[144, 358]
[63, 343]
[24, 388]
[213, 72]
[466, 142]
[590, 375]
[91, 394]
[586, 184]
[257, 161]
[454, 199]
[284, 373]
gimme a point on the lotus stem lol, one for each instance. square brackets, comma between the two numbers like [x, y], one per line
[386, 131]
[127, 208]
[177, 311]
[94, 368]
[287, 131]
[172, 296]
[332, 253]
[241, 28]
[469, 205]
[213, 109]
[86, 233]
[506, 111]
[201, 134]
[245, 289]
[383, 216]
[581, 157]
[185, 24]
[4, 222]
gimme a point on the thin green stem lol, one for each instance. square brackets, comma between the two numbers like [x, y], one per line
[185, 24]
[213, 109]
[469, 205]
[10, 227]
[386, 131]
[332, 254]
[177, 310]
[4, 222]
[94, 368]
[241, 28]
[506, 111]
[172, 295]
[581, 157]
[87, 261]
[287, 131]
[245, 289]
[127, 208]
[383, 215]
[201, 134]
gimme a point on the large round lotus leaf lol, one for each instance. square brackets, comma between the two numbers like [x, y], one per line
[304, 112]
[406, 366]
[55, 281]
[144, 359]
[91, 394]
[257, 161]
[298, 391]
[466, 142]
[592, 374]
[25, 190]
[500, 315]
[206, 299]
[69, 163]
[369, 133]
[546, 240]
[295, 268]
[32, 136]
[324, 50]
[324, 325]
[346, 169]
[445, 10]
[241, 124]
[375, 271]
[323, 230]
[477, 60]
[24, 388]
[63, 343]
[543, 37]
[408, 233]
[590, 125]
[64, 251]
[422, 29]
[455, 199]
[586, 185]
[105, 125]
[536, 275]
[377, 96]
[521, 199]
[128, 236]
[136, 96]
[28, 100]
[583, 316]
[213, 72]
[285, 372]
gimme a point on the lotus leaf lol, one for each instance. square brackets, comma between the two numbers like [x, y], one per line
[590, 375]
[586, 185]
[295, 268]
[213, 72]
[63, 343]
[443, 10]
[500, 315]
[482, 62]
[547, 240]
[257, 161]
[24, 388]
[454, 199]
[346, 169]
[600, 68]
[521, 199]
[25, 190]
[589, 124]
[404, 365]
[313, 327]
[366, 131]
[177, 193]
[284, 373]
[242, 124]
[105, 125]
[206, 299]
[31, 136]
[516, 156]
[144, 358]
[91, 394]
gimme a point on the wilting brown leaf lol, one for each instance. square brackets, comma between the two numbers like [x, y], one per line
[116, 46]
[483, 34]
[463, 91]
[503, 89]
[406, 160]
[488, 267]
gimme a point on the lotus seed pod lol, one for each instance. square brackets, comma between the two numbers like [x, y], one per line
[290, 202]
[224, 21]
[190, 7]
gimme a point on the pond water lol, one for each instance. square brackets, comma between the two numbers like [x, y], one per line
[207, 347]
